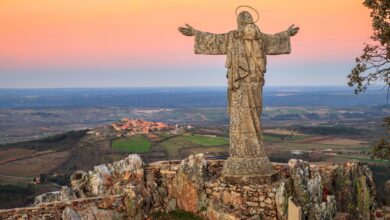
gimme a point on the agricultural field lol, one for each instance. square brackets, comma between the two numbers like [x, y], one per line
[33, 165]
[135, 144]
[207, 141]
[175, 145]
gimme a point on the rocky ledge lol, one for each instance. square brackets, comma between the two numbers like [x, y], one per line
[129, 189]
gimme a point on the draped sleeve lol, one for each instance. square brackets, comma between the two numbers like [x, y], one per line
[277, 43]
[211, 44]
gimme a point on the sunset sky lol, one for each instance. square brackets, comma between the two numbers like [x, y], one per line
[127, 43]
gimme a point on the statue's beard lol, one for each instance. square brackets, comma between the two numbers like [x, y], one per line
[243, 29]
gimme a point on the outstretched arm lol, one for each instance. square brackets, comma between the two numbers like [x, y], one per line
[279, 43]
[206, 43]
[292, 31]
[187, 31]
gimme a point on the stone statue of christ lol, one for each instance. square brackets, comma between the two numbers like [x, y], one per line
[246, 49]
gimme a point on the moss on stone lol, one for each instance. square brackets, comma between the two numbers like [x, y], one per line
[363, 197]
[130, 206]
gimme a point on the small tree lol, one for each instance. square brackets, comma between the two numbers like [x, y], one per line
[374, 64]
[382, 148]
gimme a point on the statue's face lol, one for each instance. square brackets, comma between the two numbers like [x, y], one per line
[244, 18]
[249, 31]
[246, 27]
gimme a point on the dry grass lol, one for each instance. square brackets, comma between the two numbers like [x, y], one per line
[13, 153]
[34, 166]
[281, 131]
[197, 150]
[332, 141]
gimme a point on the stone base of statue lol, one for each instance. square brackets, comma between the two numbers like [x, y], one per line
[256, 170]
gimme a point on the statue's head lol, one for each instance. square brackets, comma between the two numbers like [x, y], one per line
[247, 28]
[244, 18]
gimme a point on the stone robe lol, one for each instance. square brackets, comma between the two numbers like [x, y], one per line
[246, 68]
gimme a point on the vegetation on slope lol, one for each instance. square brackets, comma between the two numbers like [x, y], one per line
[135, 144]
[207, 141]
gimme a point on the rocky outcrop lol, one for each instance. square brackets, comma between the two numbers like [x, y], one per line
[129, 189]
[64, 194]
[70, 214]
[354, 189]
[307, 190]
[124, 177]
[188, 184]
[106, 179]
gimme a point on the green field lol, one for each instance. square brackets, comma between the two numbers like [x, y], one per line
[207, 141]
[135, 144]
[173, 145]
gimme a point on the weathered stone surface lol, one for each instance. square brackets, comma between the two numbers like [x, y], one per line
[354, 189]
[48, 197]
[70, 214]
[108, 178]
[246, 50]
[91, 212]
[65, 193]
[82, 208]
[232, 197]
[243, 167]
[281, 201]
[342, 216]
[188, 184]
[307, 191]
[198, 186]
[215, 212]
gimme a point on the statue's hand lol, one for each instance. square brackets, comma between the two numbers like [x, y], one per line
[187, 31]
[292, 30]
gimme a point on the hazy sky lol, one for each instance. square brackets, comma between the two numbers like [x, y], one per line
[126, 43]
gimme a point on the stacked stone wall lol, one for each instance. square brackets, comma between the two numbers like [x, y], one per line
[129, 189]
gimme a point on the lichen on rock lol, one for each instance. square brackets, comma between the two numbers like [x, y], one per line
[129, 189]
[189, 184]
[108, 178]
[307, 191]
[354, 189]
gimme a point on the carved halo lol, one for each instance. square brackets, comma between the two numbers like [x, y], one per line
[247, 6]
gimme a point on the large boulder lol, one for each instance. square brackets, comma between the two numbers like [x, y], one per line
[281, 200]
[64, 194]
[188, 185]
[47, 197]
[109, 178]
[354, 189]
[308, 191]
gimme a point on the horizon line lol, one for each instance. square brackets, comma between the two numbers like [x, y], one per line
[195, 86]
[179, 87]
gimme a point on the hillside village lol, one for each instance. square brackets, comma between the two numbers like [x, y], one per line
[138, 126]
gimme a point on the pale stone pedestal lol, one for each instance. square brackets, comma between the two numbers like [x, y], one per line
[257, 170]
